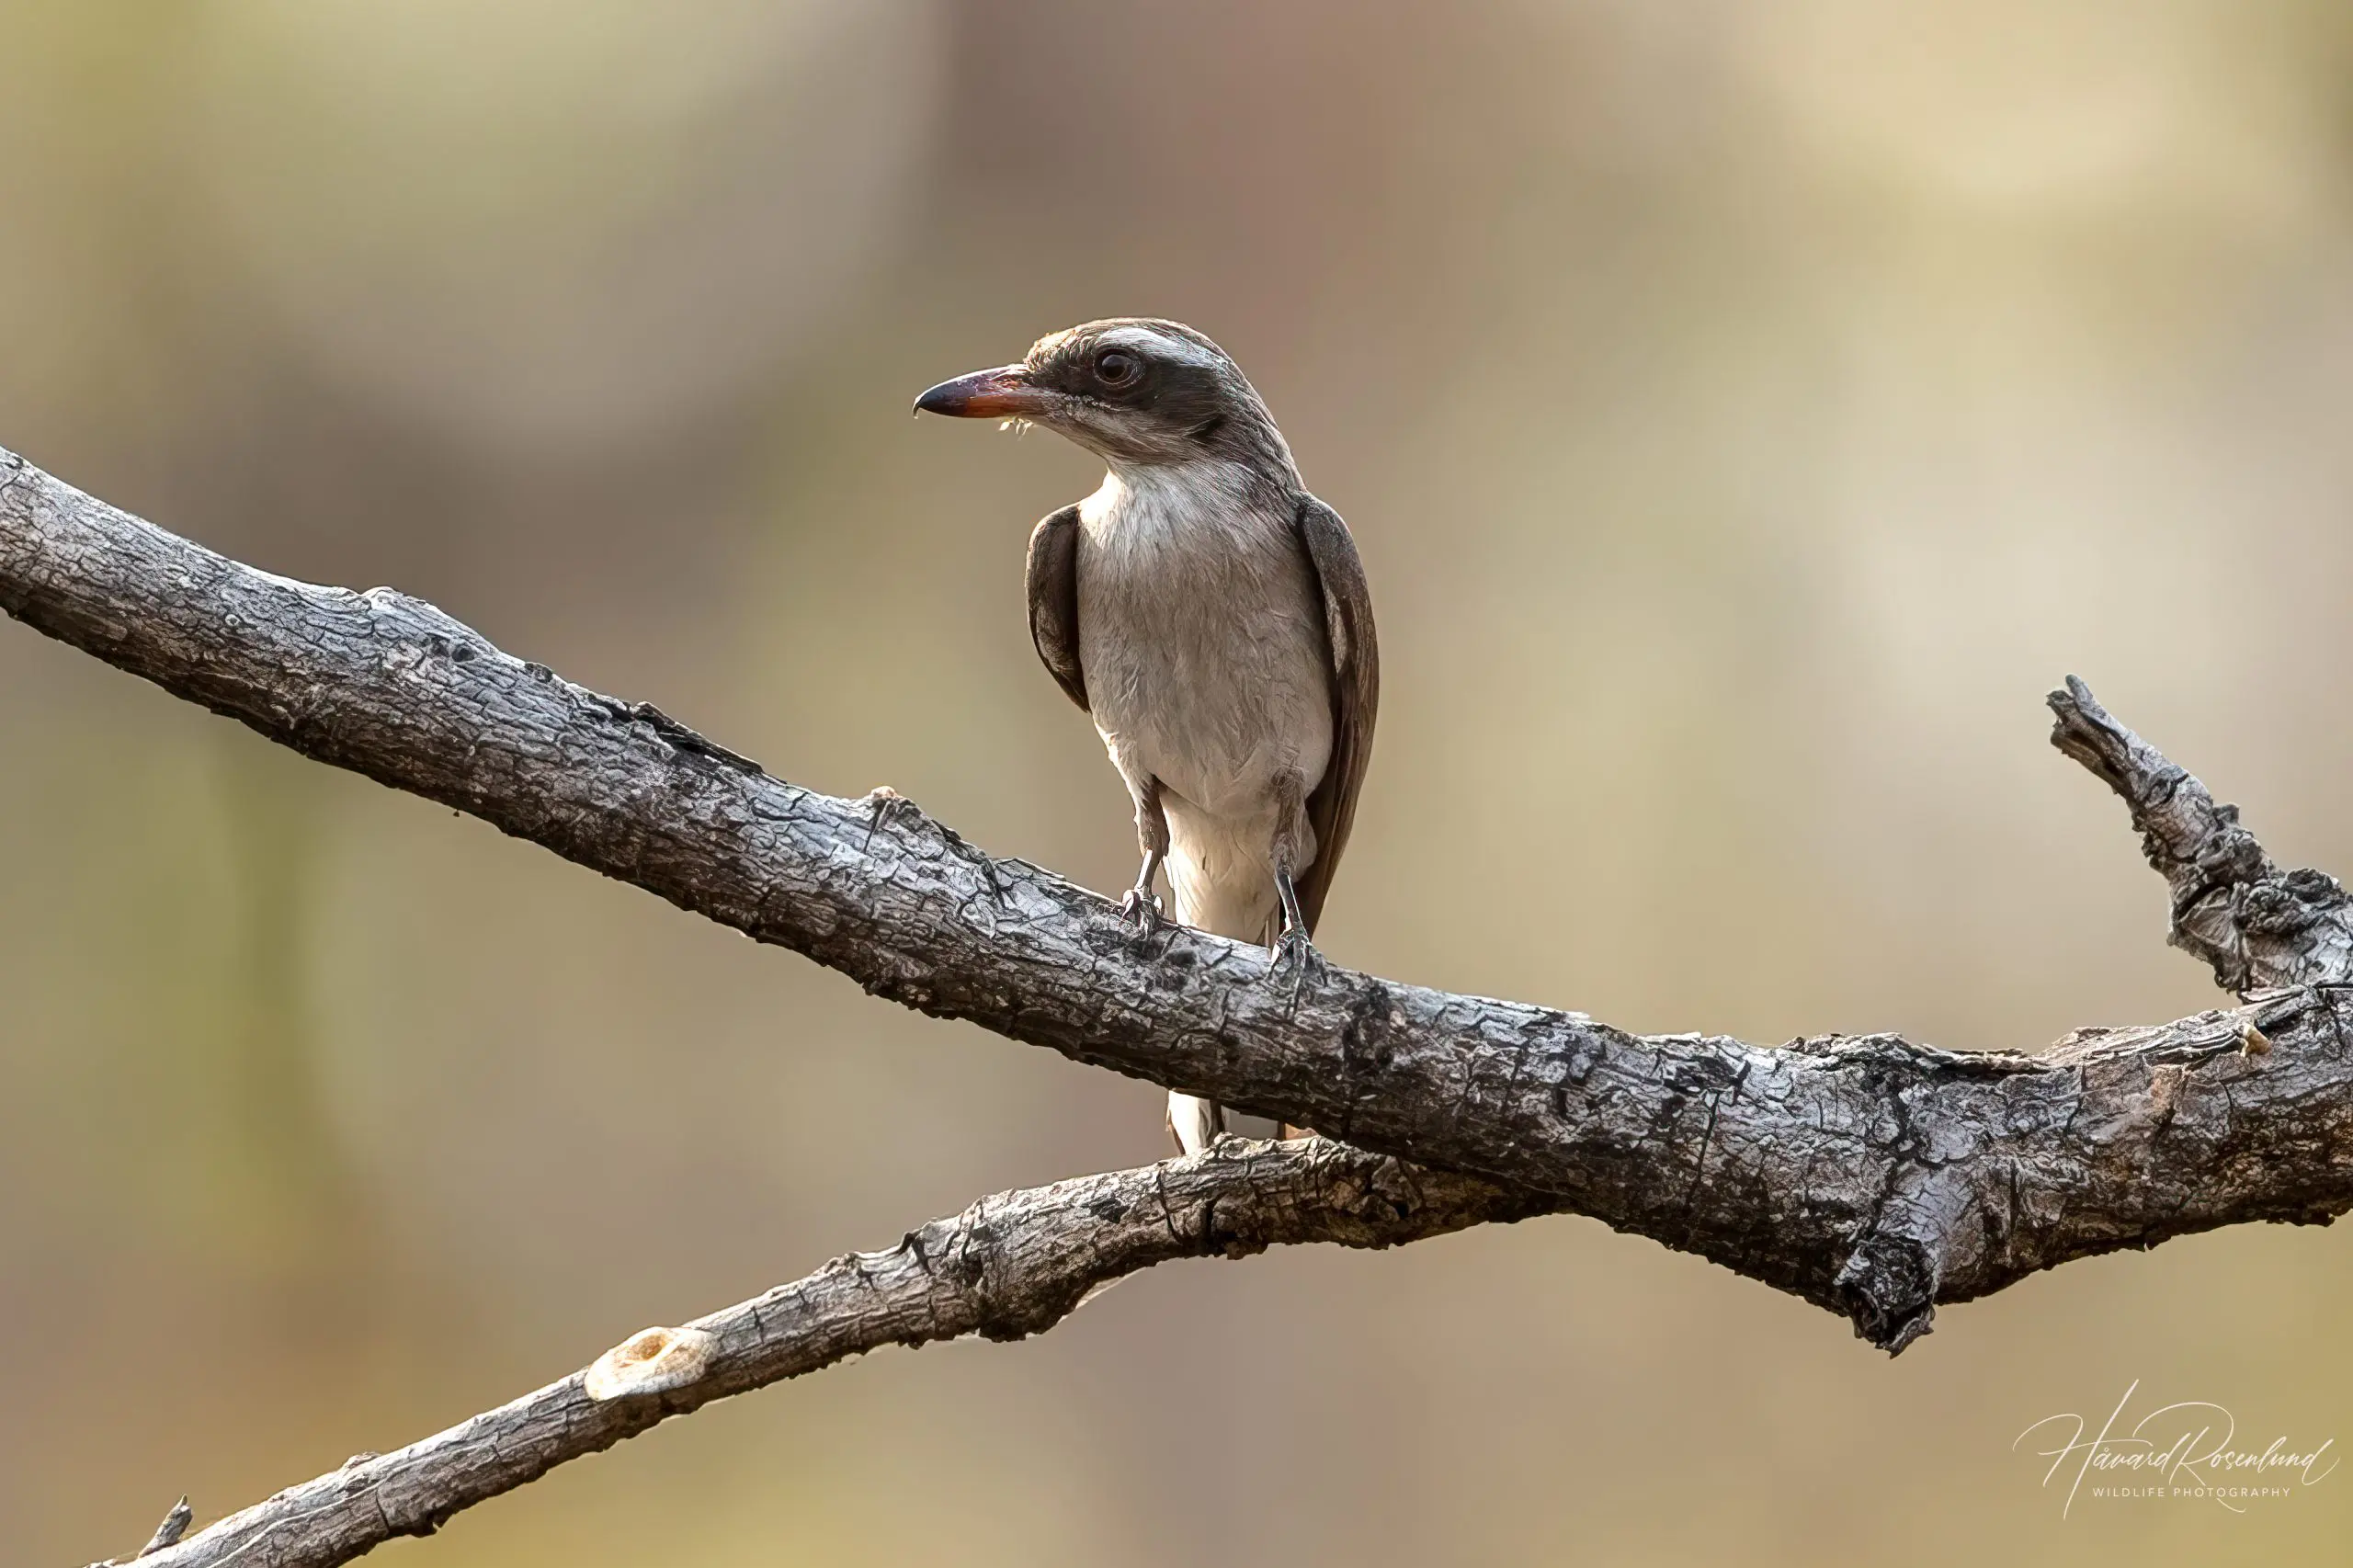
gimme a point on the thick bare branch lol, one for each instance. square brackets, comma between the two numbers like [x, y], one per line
[1008, 1266]
[1869, 1174]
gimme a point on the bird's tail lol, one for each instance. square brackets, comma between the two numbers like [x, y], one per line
[1220, 887]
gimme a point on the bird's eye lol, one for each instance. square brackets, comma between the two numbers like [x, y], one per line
[1117, 366]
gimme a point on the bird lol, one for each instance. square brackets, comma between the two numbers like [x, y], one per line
[1212, 616]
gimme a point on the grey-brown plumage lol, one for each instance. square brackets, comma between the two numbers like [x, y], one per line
[1210, 616]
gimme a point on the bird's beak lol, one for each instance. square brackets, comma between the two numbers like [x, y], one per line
[1006, 392]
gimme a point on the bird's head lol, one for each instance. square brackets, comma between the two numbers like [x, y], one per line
[1136, 392]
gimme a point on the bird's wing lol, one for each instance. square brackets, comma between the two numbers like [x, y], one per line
[1356, 692]
[1053, 599]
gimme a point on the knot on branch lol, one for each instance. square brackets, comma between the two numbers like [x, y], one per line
[1889, 1287]
[652, 1360]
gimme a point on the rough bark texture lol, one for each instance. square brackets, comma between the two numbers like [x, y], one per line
[1869, 1174]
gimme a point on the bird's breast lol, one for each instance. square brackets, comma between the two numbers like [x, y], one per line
[1201, 631]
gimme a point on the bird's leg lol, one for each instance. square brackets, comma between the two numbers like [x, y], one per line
[1294, 923]
[1293, 943]
[1295, 951]
[1152, 836]
[1294, 948]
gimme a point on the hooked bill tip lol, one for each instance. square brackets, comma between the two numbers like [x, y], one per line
[1004, 393]
[940, 399]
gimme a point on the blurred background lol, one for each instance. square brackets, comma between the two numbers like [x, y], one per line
[1745, 414]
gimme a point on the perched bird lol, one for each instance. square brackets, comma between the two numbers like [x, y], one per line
[1210, 616]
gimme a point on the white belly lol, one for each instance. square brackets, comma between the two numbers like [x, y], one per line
[1201, 634]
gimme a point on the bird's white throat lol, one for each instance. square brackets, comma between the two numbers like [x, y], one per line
[1146, 505]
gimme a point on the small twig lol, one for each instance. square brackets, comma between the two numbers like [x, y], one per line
[168, 1533]
[2233, 909]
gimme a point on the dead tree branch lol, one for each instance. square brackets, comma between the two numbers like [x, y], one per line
[1869, 1174]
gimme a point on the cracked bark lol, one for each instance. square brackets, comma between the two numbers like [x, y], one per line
[1869, 1174]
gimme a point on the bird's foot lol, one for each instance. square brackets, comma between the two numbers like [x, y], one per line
[1295, 959]
[1295, 954]
[1141, 908]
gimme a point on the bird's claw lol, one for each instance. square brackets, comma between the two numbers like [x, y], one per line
[1141, 908]
[1295, 951]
